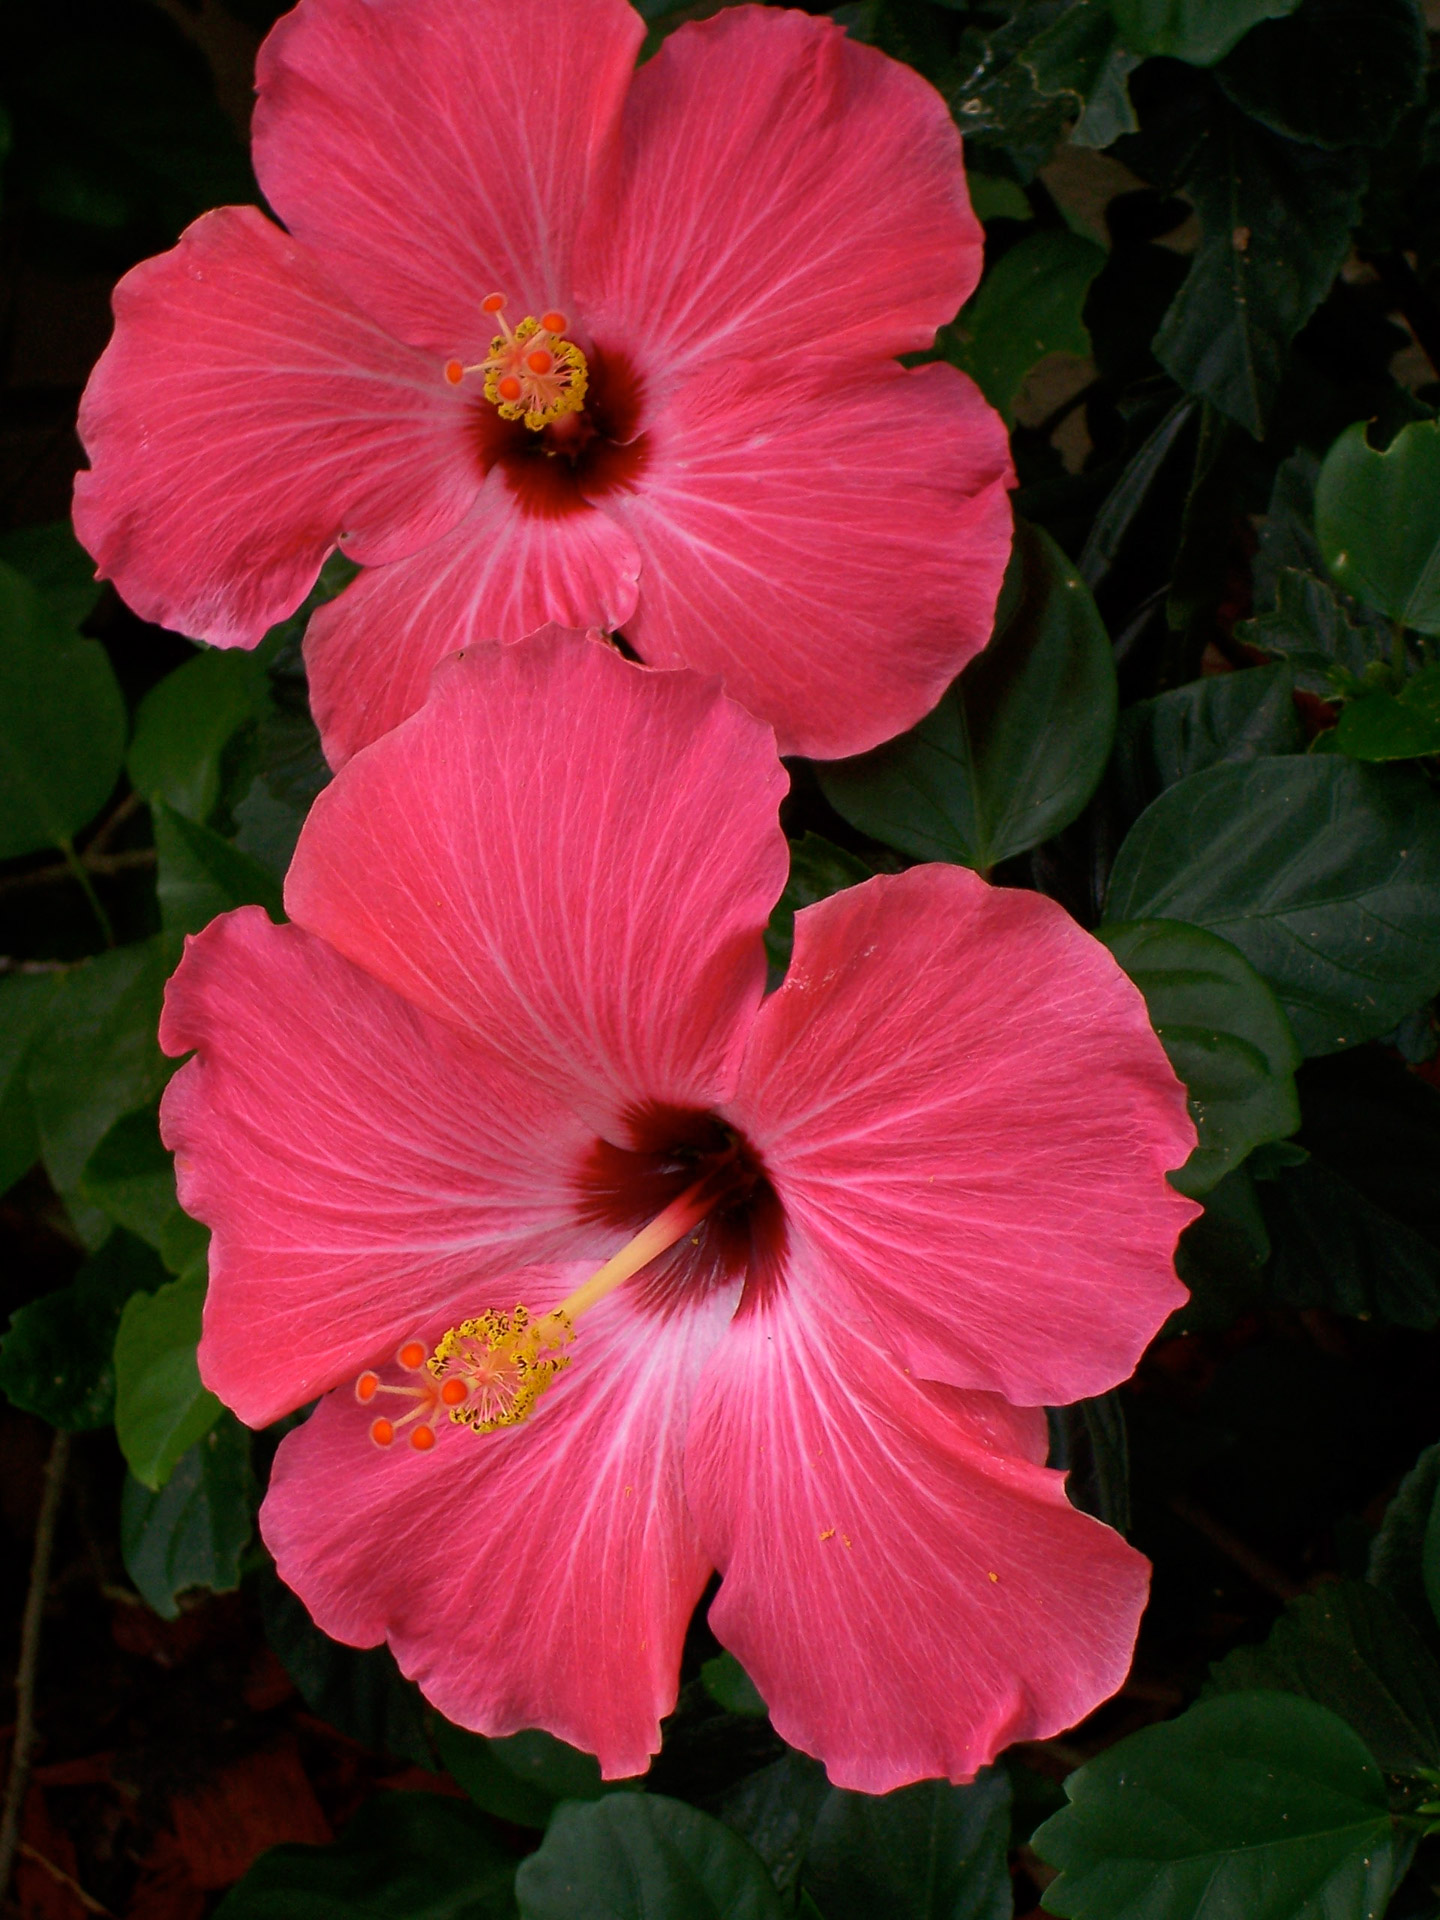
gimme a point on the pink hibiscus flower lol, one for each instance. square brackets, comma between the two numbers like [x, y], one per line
[851, 1236]
[552, 341]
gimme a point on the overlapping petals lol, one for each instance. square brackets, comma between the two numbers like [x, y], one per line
[741, 235]
[551, 945]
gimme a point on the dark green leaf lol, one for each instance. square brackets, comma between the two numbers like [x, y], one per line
[1226, 1036]
[522, 1777]
[193, 1532]
[25, 1000]
[1029, 305]
[57, 1360]
[1259, 273]
[1089, 1442]
[202, 874]
[775, 1810]
[1325, 874]
[1200, 31]
[161, 1409]
[927, 1852]
[1224, 717]
[1405, 1554]
[131, 1178]
[1018, 86]
[1377, 518]
[729, 1686]
[62, 723]
[360, 1691]
[1394, 726]
[1016, 747]
[1356, 1225]
[1255, 1804]
[1311, 630]
[1130, 493]
[1350, 1649]
[992, 198]
[405, 1856]
[818, 868]
[1337, 73]
[55, 563]
[185, 723]
[97, 1058]
[1221, 1255]
[639, 1856]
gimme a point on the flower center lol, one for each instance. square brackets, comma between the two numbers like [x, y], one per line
[489, 1372]
[533, 373]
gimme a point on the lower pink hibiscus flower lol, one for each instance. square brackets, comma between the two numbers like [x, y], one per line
[850, 1237]
[547, 339]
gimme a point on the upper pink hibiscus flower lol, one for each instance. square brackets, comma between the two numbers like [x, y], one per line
[706, 268]
[873, 1222]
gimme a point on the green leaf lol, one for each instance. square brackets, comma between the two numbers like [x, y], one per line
[57, 1360]
[818, 868]
[202, 874]
[56, 565]
[1394, 726]
[1029, 306]
[1311, 630]
[1220, 1257]
[639, 1856]
[62, 723]
[131, 1177]
[1225, 717]
[1255, 1804]
[1089, 1442]
[1017, 86]
[927, 1852]
[360, 1691]
[1200, 31]
[1405, 1553]
[1259, 272]
[97, 1058]
[522, 1777]
[25, 1001]
[729, 1686]
[1286, 75]
[405, 1856]
[193, 1532]
[1377, 518]
[1349, 1648]
[1325, 874]
[1016, 747]
[1356, 1224]
[1130, 493]
[775, 1810]
[1226, 1036]
[161, 1409]
[184, 724]
[991, 197]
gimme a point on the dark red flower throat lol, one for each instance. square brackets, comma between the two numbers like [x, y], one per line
[742, 1236]
[577, 460]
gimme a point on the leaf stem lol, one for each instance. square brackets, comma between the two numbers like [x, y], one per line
[77, 868]
[25, 1674]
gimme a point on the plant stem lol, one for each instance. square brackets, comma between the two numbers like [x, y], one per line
[76, 866]
[30, 1657]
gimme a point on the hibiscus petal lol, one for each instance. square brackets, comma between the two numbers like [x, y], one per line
[440, 150]
[783, 192]
[908, 1595]
[567, 852]
[958, 1095]
[243, 419]
[501, 574]
[542, 1576]
[354, 1159]
[834, 550]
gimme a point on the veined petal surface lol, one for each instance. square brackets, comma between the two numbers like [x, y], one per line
[960, 1100]
[784, 193]
[569, 854]
[436, 151]
[907, 1587]
[541, 1576]
[355, 1159]
[245, 418]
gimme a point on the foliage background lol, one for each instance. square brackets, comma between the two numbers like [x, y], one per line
[1209, 724]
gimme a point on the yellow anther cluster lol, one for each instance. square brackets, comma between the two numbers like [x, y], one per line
[506, 1361]
[541, 398]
